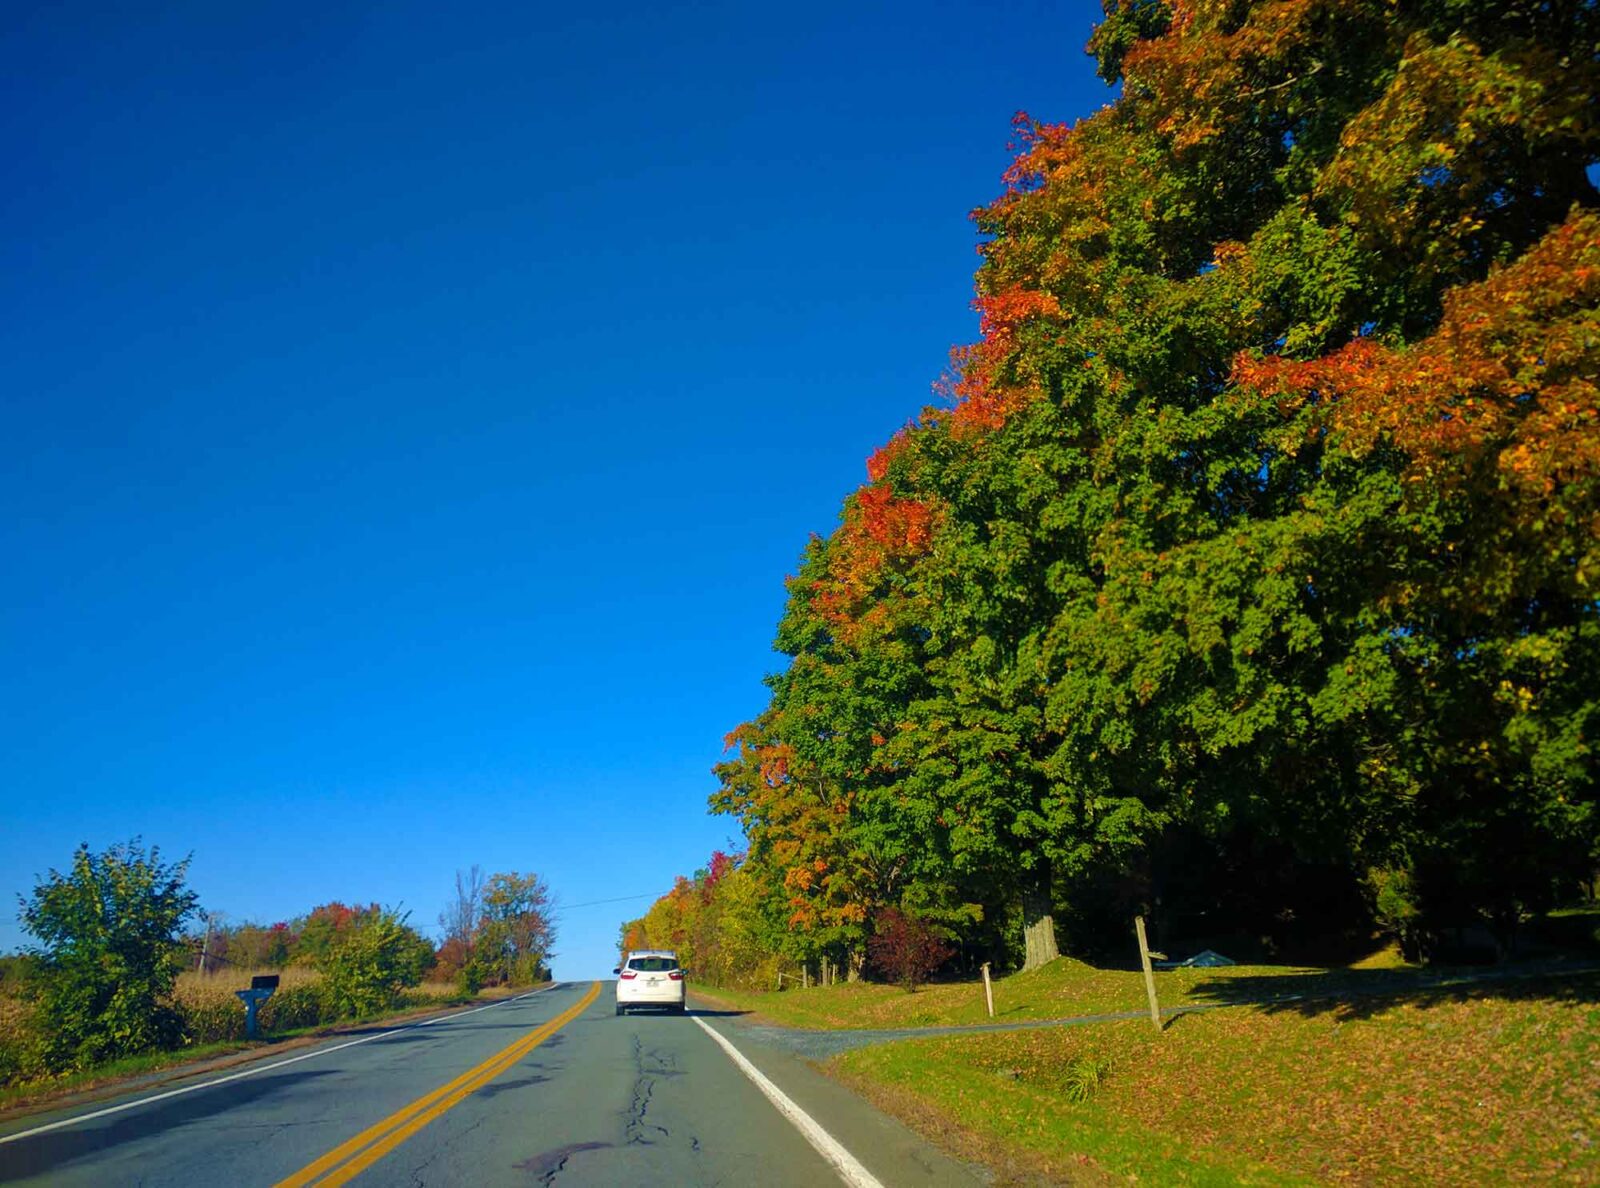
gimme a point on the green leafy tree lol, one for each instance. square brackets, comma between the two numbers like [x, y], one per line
[108, 953]
[517, 929]
[1263, 515]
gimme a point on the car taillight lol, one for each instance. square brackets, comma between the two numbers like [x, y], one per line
[676, 975]
[628, 975]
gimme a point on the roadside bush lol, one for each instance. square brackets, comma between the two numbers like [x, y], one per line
[21, 1050]
[368, 967]
[906, 950]
[305, 1005]
[108, 955]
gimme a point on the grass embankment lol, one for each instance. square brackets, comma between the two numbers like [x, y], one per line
[1378, 1073]
[213, 1021]
[1066, 988]
[1496, 1083]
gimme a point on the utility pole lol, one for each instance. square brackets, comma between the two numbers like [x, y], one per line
[205, 948]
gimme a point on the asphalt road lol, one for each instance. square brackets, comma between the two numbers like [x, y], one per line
[549, 1089]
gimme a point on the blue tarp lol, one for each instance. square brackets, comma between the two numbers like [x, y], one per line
[1208, 959]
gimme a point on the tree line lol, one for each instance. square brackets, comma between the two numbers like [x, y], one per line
[1246, 574]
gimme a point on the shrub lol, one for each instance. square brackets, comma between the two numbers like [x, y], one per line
[367, 967]
[906, 950]
[21, 1050]
[109, 957]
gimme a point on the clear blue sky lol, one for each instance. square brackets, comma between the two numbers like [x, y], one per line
[410, 415]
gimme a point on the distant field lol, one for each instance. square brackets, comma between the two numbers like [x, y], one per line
[1493, 1084]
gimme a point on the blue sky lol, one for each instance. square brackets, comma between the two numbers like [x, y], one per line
[410, 415]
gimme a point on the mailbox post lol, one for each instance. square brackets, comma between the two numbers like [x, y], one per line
[261, 988]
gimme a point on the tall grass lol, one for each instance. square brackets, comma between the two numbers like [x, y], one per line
[212, 1012]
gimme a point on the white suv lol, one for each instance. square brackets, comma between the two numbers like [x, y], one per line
[650, 977]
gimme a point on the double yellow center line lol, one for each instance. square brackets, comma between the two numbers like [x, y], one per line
[349, 1159]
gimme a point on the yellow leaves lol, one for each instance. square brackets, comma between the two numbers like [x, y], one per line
[1519, 697]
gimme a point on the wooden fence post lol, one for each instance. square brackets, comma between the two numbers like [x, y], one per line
[988, 991]
[1149, 974]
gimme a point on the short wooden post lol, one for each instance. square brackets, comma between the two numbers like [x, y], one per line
[1149, 974]
[988, 990]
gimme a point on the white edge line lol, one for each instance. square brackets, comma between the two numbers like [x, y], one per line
[847, 1165]
[258, 1068]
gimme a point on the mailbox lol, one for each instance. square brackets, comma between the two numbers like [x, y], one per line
[261, 988]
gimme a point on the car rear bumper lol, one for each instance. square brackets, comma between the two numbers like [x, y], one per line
[671, 994]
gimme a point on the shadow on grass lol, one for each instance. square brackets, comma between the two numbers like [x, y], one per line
[1363, 993]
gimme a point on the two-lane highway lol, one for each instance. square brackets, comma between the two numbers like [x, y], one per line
[549, 1088]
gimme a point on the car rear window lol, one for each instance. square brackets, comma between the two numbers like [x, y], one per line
[653, 964]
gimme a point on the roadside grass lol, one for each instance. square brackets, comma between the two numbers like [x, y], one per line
[1061, 989]
[1068, 987]
[28, 1092]
[1494, 1083]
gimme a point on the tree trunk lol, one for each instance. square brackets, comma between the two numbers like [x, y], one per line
[857, 962]
[1038, 924]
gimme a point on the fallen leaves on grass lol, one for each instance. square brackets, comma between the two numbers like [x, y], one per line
[1472, 1085]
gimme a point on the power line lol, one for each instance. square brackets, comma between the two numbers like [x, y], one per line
[594, 903]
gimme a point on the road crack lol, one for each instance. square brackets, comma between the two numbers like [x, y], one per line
[648, 1067]
[416, 1173]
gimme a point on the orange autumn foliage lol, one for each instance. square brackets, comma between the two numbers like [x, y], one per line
[1209, 67]
[986, 395]
[1509, 378]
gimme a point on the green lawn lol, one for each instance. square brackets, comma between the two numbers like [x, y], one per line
[1488, 1084]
